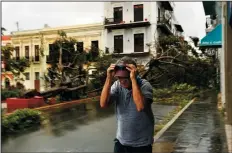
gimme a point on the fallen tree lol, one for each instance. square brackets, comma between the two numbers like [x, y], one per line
[174, 61]
[178, 62]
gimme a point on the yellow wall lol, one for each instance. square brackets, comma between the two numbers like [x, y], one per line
[84, 33]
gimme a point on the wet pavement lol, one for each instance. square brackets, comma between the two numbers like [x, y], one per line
[199, 129]
[84, 128]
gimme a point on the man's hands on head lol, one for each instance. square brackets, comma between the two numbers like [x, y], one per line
[105, 94]
[130, 67]
[133, 70]
[110, 71]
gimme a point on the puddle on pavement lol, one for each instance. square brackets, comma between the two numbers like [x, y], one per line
[199, 129]
[69, 119]
[78, 128]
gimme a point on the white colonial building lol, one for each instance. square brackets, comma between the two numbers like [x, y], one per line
[29, 42]
[131, 26]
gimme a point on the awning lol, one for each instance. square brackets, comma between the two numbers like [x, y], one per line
[213, 38]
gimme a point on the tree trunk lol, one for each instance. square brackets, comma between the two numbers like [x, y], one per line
[60, 66]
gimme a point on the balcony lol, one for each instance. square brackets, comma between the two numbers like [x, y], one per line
[179, 27]
[166, 5]
[165, 25]
[52, 59]
[27, 57]
[49, 59]
[132, 54]
[112, 21]
[111, 24]
[17, 58]
[36, 59]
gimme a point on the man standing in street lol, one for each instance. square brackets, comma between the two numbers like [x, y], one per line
[132, 97]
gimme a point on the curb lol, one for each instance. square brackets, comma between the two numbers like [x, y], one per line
[161, 132]
[64, 104]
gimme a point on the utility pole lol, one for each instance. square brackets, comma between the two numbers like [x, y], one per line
[17, 24]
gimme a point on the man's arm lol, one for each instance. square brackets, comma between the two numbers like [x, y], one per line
[142, 97]
[137, 95]
[105, 94]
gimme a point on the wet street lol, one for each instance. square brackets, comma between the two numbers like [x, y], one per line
[85, 128]
[199, 129]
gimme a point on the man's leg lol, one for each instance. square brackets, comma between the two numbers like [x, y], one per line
[144, 149]
[118, 147]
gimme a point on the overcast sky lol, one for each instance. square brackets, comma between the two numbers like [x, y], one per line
[33, 15]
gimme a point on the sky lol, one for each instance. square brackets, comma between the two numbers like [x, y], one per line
[33, 15]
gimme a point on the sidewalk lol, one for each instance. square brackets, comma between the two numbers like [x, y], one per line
[199, 129]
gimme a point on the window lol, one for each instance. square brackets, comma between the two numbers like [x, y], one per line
[53, 49]
[36, 52]
[94, 45]
[118, 44]
[27, 76]
[53, 56]
[138, 12]
[36, 75]
[107, 50]
[17, 52]
[118, 14]
[66, 52]
[51, 46]
[139, 42]
[27, 52]
[80, 46]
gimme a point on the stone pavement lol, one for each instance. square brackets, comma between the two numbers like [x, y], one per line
[200, 128]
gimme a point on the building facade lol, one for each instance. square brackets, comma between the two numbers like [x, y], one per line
[220, 14]
[131, 27]
[226, 83]
[28, 44]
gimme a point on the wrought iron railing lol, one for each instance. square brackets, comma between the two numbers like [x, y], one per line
[36, 58]
[164, 20]
[112, 21]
